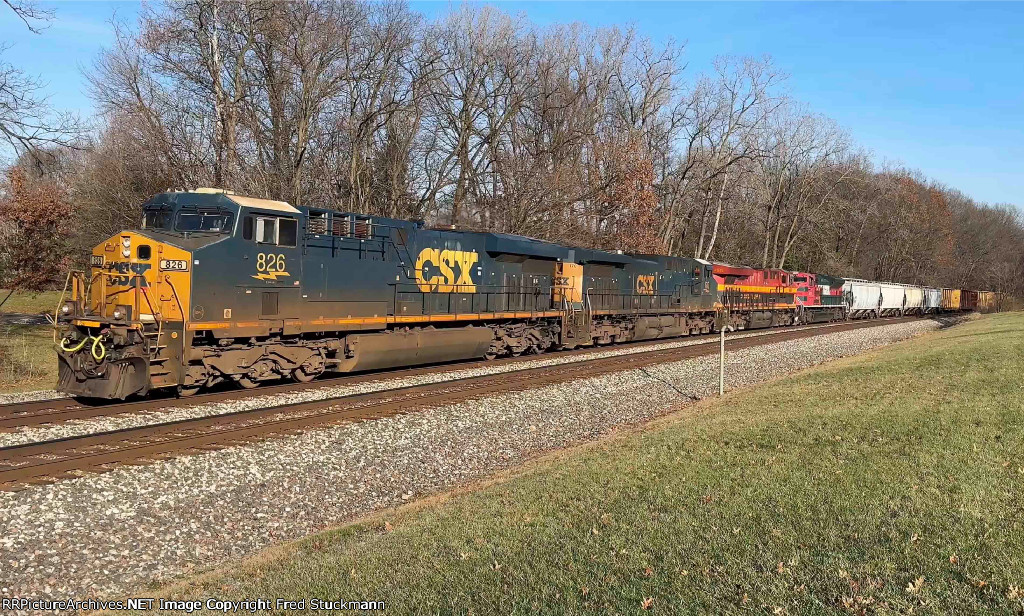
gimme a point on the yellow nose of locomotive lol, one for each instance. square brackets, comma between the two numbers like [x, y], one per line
[136, 278]
[121, 331]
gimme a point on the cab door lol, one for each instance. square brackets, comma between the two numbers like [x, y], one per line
[275, 264]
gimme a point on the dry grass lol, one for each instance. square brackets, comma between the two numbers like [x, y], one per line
[30, 303]
[28, 360]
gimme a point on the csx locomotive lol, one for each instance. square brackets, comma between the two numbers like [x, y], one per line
[218, 287]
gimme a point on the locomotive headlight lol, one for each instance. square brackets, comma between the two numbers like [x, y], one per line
[126, 242]
[117, 314]
[66, 308]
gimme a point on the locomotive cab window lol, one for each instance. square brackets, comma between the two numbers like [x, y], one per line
[209, 221]
[156, 219]
[287, 232]
[276, 231]
[266, 230]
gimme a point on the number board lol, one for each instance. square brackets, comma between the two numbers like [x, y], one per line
[174, 265]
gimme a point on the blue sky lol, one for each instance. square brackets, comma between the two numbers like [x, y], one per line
[936, 86]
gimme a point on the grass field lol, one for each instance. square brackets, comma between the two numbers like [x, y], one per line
[886, 483]
[27, 358]
[30, 303]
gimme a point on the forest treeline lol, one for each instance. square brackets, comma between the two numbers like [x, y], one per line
[596, 137]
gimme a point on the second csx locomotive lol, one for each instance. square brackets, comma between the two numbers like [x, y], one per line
[218, 287]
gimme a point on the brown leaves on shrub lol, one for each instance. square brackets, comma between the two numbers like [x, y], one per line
[35, 227]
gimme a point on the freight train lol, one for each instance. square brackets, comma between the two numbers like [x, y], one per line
[216, 287]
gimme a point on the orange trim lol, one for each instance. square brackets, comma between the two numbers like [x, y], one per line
[428, 318]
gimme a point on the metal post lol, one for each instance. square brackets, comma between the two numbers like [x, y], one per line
[721, 362]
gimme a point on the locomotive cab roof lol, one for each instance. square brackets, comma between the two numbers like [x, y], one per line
[195, 218]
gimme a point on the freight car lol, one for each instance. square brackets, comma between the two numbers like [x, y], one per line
[864, 298]
[218, 287]
[913, 299]
[986, 301]
[968, 299]
[950, 300]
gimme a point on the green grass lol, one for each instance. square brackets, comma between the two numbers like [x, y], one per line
[27, 358]
[28, 302]
[886, 483]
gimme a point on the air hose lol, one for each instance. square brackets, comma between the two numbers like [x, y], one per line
[97, 349]
[64, 345]
[97, 341]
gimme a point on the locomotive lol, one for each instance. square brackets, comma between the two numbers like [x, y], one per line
[219, 287]
[216, 287]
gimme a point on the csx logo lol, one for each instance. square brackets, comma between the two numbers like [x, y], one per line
[645, 285]
[436, 271]
[125, 274]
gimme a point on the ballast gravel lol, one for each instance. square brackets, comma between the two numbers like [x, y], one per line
[31, 396]
[112, 534]
[256, 401]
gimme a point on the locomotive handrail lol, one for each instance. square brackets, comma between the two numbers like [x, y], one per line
[519, 298]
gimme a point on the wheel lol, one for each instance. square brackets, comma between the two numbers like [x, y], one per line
[301, 376]
[248, 383]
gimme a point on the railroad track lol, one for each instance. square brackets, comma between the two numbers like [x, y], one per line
[49, 461]
[60, 410]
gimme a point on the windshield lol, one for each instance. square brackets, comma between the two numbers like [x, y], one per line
[156, 219]
[214, 221]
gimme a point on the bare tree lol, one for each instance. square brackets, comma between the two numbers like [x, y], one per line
[27, 122]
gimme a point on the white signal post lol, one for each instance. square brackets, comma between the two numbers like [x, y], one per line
[721, 362]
